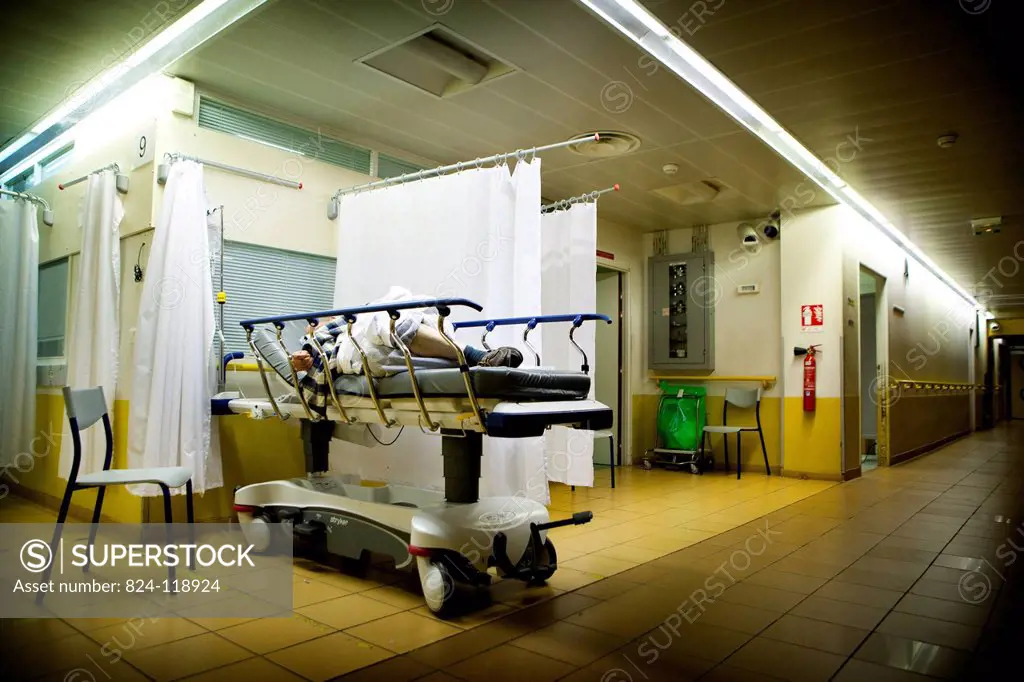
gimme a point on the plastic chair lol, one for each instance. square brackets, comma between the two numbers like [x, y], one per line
[743, 398]
[84, 408]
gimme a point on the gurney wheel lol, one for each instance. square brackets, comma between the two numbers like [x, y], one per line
[438, 586]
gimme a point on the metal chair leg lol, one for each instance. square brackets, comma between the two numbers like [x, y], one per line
[611, 457]
[190, 516]
[764, 452]
[95, 521]
[168, 520]
[62, 516]
[725, 439]
[739, 454]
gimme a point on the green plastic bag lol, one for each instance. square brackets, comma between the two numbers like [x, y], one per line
[682, 416]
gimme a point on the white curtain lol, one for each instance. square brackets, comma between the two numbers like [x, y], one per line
[569, 285]
[19, 282]
[93, 339]
[476, 235]
[174, 373]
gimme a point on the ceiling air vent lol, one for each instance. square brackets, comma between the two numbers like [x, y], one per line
[608, 143]
[439, 61]
[700, 192]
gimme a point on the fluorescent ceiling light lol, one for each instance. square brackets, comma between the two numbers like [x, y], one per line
[633, 20]
[203, 22]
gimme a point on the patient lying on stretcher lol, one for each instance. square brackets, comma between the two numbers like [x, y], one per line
[372, 332]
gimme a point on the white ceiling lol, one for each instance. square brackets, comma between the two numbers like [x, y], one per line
[898, 73]
[48, 50]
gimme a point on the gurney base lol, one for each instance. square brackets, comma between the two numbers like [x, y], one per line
[453, 544]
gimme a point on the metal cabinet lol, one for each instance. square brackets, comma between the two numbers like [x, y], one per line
[681, 333]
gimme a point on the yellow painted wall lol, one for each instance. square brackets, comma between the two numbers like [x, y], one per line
[645, 409]
[41, 476]
[813, 439]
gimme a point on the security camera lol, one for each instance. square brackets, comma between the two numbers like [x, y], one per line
[748, 237]
[770, 228]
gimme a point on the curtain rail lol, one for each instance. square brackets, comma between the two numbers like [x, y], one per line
[110, 166]
[47, 211]
[164, 169]
[582, 198]
[519, 154]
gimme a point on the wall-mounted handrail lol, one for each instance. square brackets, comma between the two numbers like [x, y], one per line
[924, 385]
[766, 381]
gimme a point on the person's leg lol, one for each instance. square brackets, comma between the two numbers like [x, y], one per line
[427, 342]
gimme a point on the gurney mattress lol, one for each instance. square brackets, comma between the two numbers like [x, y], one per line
[502, 383]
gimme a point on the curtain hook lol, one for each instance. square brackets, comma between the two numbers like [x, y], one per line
[478, 162]
[533, 154]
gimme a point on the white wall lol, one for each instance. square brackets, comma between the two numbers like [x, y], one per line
[747, 331]
[811, 264]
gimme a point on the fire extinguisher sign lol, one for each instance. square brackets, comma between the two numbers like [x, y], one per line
[812, 318]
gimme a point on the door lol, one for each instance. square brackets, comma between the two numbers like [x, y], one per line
[1017, 385]
[607, 363]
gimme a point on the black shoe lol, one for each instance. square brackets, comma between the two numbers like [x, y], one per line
[506, 356]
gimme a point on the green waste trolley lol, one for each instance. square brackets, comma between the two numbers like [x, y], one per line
[679, 429]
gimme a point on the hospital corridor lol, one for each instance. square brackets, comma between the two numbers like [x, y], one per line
[501, 340]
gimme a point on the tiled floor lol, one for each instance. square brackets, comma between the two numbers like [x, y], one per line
[679, 577]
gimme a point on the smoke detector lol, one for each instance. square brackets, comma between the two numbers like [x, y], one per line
[670, 168]
[947, 141]
[608, 143]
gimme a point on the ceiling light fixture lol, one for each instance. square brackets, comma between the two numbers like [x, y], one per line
[204, 21]
[631, 19]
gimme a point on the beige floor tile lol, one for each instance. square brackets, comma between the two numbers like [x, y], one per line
[569, 643]
[739, 617]
[730, 673]
[816, 634]
[306, 591]
[595, 564]
[942, 609]
[786, 661]
[857, 671]
[186, 657]
[634, 555]
[677, 641]
[328, 657]
[472, 615]
[954, 593]
[762, 597]
[255, 669]
[141, 633]
[568, 578]
[790, 582]
[215, 624]
[839, 612]
[264, 635]
[508, 663]
[345, 612]
[620, 617]
[459, 647]
[32, 631]
[616, 586]
[859, 594]
[913, 656]
[403, 631]
[885, 581]
[396, 595]
[941, 632]
[816, 569]
[396, 669]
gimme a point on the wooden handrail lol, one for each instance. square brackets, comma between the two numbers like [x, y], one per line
[765, 381]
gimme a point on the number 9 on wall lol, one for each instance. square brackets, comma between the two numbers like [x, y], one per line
[143, 145]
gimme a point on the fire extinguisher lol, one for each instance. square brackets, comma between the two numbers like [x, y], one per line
[810, 376]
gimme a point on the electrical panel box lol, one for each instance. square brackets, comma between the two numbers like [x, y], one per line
[683, 293]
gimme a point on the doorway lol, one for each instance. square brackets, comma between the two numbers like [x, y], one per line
[873, 342]
[608, 363]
